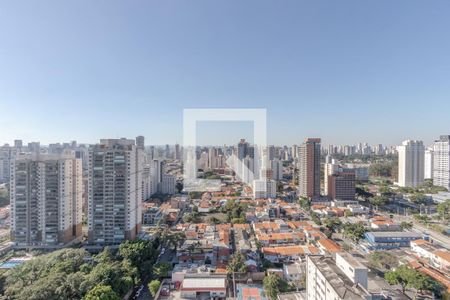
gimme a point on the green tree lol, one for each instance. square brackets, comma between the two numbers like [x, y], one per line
[102, 292]
[140, 253]
[406, 225]
[378, 200]
[410, 278]
[383, 260]
[402, 276]
[315, 218]
[162, 269]
[443, 210]
[153, 286]
[274, 284]
[332, 224]
[214, 220]
[304, 203]
[384, 189]
[237, 264]
[424, 219]
[354, 231]
[270, 284]
[419, 198]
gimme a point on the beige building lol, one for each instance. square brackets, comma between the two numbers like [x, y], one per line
[115, 191]
[46, 199]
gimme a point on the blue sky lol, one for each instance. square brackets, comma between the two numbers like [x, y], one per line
[346, 71]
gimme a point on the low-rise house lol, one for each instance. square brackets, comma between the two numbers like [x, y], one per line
[213, 286]
[328, 246]
[357, 209]
[384, 224]
[281, 238]
[294, 271]
[343, 203]
[287, 253]
[437, 257]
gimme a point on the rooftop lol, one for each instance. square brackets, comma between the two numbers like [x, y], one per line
[204, 283]
[395, 234]
[340, 283]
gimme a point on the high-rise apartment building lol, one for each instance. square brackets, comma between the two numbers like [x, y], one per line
[177, 152]
[140, 142]
[411, 157]
[428, 165]
[115, 191]
[7, 155]
[242, 149]
[330, 167]
[168, 183]
[342, 184]
[441, 162]
[277, 169]
[18, 144]
[309, 168]
[46, 199]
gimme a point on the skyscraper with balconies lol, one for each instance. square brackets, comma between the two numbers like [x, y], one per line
[46, 199]
[115, 191]
[441, 162]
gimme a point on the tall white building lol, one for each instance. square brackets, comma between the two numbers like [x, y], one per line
[441, 162]
[7, 154]
[428, 172]
[411, 158]
[115, 191]
[330, 167]
[46, 199]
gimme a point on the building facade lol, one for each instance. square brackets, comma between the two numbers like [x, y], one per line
[428, 164]
[115, 191]
[46, 199]
[441, 162]
[342, 185]
[264, 189]
[411, 163]
[309, 168]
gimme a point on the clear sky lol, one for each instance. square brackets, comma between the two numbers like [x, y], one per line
[346, 71]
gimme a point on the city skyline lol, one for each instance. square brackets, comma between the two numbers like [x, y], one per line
[345, 72]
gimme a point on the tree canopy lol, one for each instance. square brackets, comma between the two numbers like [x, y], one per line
[237, 264]
[410, 278]
[274, 284]
[153, 286]
[101, 292]
[73, 273]
[354, 231]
